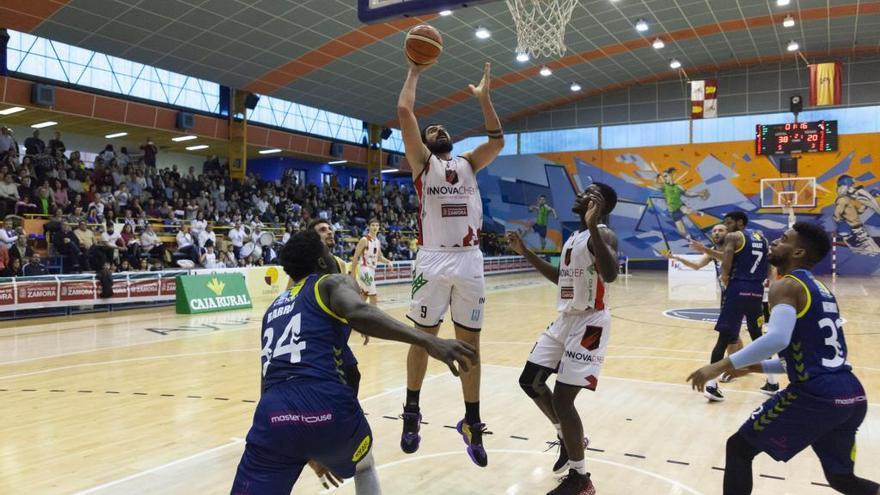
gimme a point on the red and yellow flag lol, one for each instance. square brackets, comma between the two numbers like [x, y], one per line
[826, 83]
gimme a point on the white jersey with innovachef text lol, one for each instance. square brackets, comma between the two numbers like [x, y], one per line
[370, 256]
[450, 208]
[580, 287]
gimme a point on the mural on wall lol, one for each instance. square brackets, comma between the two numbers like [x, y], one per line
[668, 194]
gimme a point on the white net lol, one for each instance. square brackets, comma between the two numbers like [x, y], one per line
[540, 25]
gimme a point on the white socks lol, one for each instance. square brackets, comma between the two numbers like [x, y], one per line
[772, 379]
[579, 466]
[712, 383]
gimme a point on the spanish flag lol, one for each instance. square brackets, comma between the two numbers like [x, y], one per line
[826, 81]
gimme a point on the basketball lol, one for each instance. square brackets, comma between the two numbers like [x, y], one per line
[423, 44]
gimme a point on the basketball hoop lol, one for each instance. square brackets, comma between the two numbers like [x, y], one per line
[540, 25]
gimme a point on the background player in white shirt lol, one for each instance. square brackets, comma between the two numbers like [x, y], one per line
[574, 345]
[367, 256]
[449, 266]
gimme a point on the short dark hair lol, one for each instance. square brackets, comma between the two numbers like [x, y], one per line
[318, 221]
[299, 257]
[738, 216]
[425, 131]
[373, 220]
[813, 238]
[610, 196]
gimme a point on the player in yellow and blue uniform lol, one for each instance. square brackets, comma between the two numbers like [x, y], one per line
[743, 270]
[307, 411]
[825, 403]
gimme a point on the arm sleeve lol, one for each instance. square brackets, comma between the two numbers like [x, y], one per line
[773, 366]
[782, 320]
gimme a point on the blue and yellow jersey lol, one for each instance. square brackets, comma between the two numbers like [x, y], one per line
[750, 260]
[302, 338]
[817, 347]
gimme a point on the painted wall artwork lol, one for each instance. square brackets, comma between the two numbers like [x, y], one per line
[669, 193]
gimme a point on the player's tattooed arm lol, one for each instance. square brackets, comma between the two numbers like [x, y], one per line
[342, 296]
[549, 271]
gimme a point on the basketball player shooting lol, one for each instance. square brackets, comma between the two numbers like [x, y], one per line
[825, 403]
[449, 265]
[307, 412]
[574, 345]
[367, 256]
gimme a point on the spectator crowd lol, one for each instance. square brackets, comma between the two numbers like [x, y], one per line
[124, 211]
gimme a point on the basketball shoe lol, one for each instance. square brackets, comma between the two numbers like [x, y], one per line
[770, 389]
[412, 423]
[562, 461]
[574, 483]
[472, 435]
[713, 394]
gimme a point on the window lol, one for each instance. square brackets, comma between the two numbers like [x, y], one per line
[561, 140]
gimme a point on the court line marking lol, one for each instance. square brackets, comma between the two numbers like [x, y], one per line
[651, 474]
[94, 489]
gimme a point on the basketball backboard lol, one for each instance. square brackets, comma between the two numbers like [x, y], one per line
[370, 11]
[783, 192]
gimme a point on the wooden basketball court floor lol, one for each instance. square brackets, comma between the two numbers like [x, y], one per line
[145, 402]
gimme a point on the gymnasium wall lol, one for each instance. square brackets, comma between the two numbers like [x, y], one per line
[721, 177]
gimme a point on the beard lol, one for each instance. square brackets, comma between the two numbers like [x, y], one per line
[439, 147]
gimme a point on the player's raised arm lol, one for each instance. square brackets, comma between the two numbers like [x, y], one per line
[698, 265]
[549, 271]
[602, 240]
[702, 248]
[343, 298]
[485, 153]
[416, 151]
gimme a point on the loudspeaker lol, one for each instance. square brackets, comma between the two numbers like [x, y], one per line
[394, 160]
[185, 120]
[386, 133]
[250, 101]
[336, 150]
[788, 165]
[796, 104]
[43, 95]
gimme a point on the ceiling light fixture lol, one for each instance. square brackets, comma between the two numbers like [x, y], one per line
[337, 162]
[445, 13]
[12, 110]
[641, 26]
[545, 71]
[116, 135]
[390, 170]
[183, 138]
[658, 44]
[793, 46]
[674, 63]
[522, 57]
[782, 3]
[48, 123]
[482, 33]
[269, 151]
[575, 87]
[788, 21]
[197, 147]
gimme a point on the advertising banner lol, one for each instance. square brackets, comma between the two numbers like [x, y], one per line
[215, 292]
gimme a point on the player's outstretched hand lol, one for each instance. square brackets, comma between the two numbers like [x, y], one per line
[458, 355]
[327, 478]
[516, 243]
[699, 378]
[482, 89]
[418, 68]
[698, 246]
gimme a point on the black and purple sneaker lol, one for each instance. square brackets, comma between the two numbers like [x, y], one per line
[472, 435]
[412, 422]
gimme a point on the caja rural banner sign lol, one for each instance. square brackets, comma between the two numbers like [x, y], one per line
[214, 292]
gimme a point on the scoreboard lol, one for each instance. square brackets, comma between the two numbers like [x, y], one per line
[800, 137]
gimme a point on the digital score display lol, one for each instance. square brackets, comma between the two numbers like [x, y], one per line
[800, 137]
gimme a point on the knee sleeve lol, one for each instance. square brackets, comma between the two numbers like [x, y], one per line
[533, 380]
[738, 447]
[850, 484]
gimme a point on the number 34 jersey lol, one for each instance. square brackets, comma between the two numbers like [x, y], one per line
[302, 338]
[815, 358]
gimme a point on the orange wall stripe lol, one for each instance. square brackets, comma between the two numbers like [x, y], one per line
[732, 25]
[26, 15]
[328, 52]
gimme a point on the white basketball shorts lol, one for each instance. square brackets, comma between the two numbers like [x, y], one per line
[444, 278]
[574, 345]
[366, 280]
